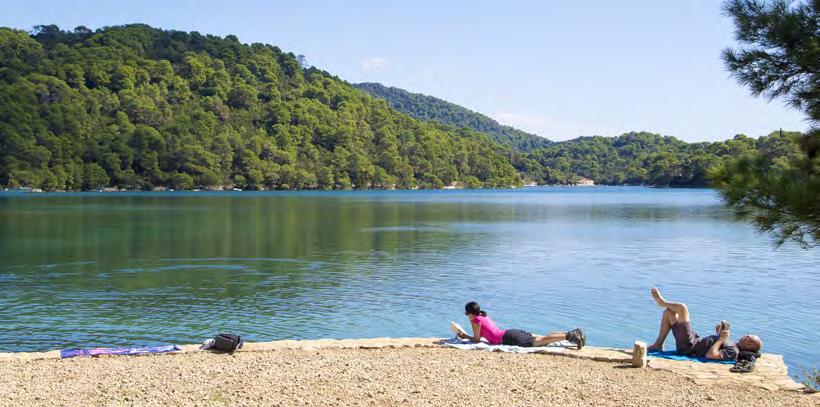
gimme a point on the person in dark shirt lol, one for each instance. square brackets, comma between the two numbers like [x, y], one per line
[676, 319]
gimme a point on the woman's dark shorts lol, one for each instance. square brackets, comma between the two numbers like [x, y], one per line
[685, 338]
[517, 337]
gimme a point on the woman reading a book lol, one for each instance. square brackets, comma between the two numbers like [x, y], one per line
[484, 327]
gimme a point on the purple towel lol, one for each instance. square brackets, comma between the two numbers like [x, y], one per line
[70, 353]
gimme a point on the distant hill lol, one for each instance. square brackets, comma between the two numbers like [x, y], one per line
[425, 107]
[634, 158]
[138, 107]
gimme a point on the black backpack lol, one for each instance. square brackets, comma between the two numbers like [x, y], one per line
[227, 343]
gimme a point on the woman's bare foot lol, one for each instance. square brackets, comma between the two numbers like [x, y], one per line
[653, 348]
[656, 295]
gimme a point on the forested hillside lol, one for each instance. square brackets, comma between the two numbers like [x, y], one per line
[647, 159]
[138, 107]
[426, 107]
[636, 158]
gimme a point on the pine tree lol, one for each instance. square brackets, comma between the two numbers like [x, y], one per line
[779, 58]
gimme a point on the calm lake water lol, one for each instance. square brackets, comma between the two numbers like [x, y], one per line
[152, 268]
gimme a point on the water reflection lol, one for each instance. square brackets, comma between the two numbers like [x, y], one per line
[119, 269]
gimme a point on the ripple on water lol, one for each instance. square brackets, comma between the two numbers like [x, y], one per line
[385, 264]
[404, 228]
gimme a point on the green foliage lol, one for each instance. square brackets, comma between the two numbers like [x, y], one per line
[780, 50]
[425, 107]
[779, 57]
[632, 158]
[642, 159]
[137, 107]
[779, 193]
[94, 176]
[181, 180]
[810, 379]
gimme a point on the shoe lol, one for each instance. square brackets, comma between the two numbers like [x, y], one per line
[743, 366]
[207, 345]
[577, 337]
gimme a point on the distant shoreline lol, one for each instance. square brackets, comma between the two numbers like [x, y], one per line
[230, 190]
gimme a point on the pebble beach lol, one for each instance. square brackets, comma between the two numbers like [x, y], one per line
[410, 376]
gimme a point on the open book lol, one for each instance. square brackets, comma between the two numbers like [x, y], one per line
[457, 329]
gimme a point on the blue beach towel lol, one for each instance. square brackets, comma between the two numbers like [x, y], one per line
[672, 355]
[70, 353]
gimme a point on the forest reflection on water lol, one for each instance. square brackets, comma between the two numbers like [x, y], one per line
[147, 268]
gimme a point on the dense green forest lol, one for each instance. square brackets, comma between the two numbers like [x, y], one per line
[647, 159]
[138, 107]
[426, 107]
[632, 158]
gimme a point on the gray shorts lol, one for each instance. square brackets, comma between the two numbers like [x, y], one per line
[685, 338]
[518, 337]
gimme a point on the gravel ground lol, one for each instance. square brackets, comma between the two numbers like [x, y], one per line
[408, 376]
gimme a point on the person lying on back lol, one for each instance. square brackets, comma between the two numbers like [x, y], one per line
[687, 343]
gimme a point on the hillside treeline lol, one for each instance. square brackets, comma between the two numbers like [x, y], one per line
[138, 107]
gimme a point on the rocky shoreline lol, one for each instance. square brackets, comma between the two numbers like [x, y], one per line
[385, 371]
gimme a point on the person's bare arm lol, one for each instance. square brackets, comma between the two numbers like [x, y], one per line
[476, 333]
[714, 350]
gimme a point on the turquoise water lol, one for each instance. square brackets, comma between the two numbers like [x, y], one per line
[152, 268]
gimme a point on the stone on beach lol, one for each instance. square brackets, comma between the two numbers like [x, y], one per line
[384, 371]
[639, 354]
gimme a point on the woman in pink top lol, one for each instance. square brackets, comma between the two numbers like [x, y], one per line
[484, 327]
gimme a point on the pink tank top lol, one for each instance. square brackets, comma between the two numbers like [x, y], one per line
[489, 331]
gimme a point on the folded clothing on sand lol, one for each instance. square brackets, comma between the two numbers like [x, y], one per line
[70, 353]
[558, 347]
[672, 355]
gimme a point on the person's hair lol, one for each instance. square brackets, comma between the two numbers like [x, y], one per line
[473, 308]
[758, 343]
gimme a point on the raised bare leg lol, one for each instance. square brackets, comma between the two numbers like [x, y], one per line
[667, 319]
[675, 312]
[680, 309]
[539, 340]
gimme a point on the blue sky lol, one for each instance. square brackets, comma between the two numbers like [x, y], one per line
[558, 69]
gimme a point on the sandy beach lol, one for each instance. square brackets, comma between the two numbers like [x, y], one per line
[412, 376]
